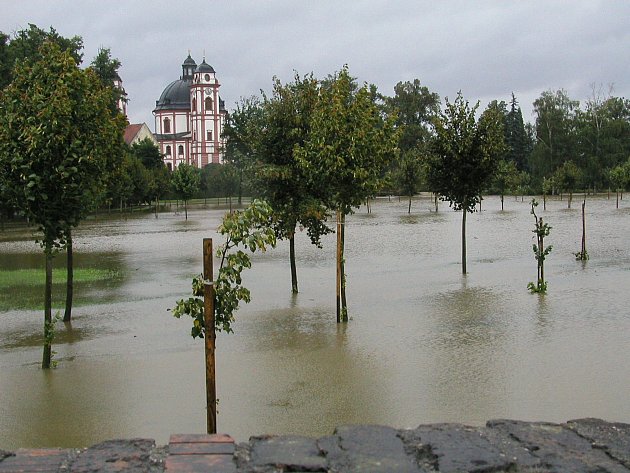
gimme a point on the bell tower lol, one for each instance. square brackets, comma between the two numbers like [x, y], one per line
[205, 116]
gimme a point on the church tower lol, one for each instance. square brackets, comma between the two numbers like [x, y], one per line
[205, 115]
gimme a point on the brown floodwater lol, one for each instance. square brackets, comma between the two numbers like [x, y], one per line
[424, 343]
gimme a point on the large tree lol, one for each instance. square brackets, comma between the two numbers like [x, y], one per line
[555, 132]
[414, 106]
[348, 145]
[465, 152]
[517, 141]
[57, 141]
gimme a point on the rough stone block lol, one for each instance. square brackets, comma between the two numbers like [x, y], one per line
[129, 456]
[558, 448]
[454, 448]
[367, 449]
[613, 438]
[286, 453]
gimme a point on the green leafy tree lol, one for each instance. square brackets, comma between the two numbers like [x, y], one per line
[345, 153]
[57, 141]
[106, 68]
[25, 46]
[465, 153]
[505, 178]
[409, 174]
[567, 177]
[619, 177]
[555, 132]
[280, 179]
[413, 105]
[249, 229]
[241, 134]
[185, 181]
[148, 153]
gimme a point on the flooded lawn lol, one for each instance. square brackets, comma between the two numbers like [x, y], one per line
[424, 344]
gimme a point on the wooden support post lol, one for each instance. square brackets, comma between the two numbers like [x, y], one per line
[210, 337]
[338, 267]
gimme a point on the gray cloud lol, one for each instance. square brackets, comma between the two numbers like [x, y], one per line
[485, 48]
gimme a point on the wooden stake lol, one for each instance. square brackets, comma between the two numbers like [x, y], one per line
[210, 337]
[338, 266]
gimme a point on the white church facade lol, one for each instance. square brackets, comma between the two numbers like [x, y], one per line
[189, 118]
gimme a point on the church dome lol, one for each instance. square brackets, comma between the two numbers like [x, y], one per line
[204, 67]
[176, 96]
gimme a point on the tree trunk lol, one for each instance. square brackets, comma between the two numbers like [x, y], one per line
[464, 241]
[544, 201]
[344, 303]
[501, 202]
[294, 280]
[617, 198]
[409, 209]
[47, 358]
[67, 315]
[186, 209]
[569, 200]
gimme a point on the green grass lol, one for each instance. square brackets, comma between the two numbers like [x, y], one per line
[37, 277]
[23, 289]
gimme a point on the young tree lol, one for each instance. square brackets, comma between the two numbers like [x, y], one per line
[464, 156]
[57, 141]
[185, 181]
[541, 230]
[344, 155]
[505, 177]
[409, 174]
[287, 118]
[567, 177]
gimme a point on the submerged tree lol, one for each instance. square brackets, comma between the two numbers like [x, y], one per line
[409, 174]
[248, 229]
[57, 142]
[286, 119]
[344, 156]
[541, 230]
[464, 157]
[185, 181]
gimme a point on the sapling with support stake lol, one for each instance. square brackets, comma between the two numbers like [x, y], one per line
[540, 252]
[213, 304]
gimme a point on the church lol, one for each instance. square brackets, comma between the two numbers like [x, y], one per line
[189, 117]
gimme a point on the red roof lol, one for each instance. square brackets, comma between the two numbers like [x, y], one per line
[131, 131]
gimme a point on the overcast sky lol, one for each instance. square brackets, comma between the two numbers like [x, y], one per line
[487, 49]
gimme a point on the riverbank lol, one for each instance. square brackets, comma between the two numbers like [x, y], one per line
[584, 445]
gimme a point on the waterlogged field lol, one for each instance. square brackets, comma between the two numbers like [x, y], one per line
[424, 344]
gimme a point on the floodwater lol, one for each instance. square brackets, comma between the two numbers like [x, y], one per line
[424, 343]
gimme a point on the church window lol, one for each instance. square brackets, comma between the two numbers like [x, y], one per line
[207, 77]
[194, 104]
[167, 125]
[209, 135]
[208, 103]
[180, 149]
[168, 150]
